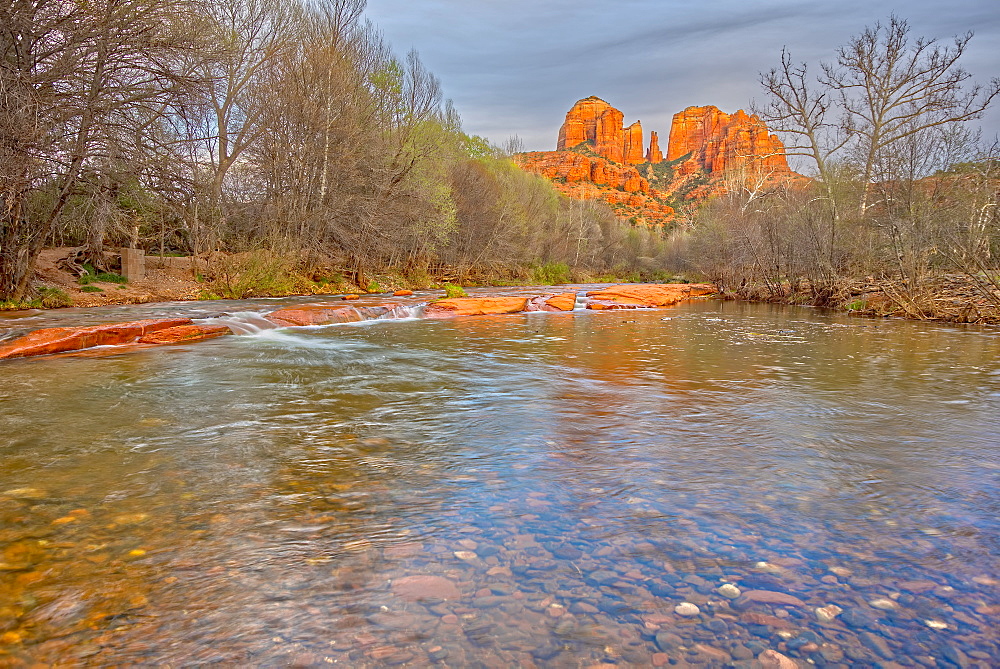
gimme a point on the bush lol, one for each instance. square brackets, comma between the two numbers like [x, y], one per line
[255, 274]
[51, 297]
[550, 273]
[92, 289]
[451, 290]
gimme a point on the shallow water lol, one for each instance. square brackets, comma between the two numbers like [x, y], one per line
[534, 489]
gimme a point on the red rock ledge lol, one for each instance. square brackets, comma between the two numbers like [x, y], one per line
[153, 331]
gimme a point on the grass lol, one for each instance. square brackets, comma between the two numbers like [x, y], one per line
[91, 289]
[49, 297]
[255, 274]
[91, 276]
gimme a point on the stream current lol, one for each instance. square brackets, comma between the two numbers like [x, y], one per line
[526, 490]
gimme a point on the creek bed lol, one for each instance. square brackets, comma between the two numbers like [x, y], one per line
[525, 490]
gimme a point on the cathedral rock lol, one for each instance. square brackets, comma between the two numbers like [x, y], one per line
[718, 142]
[597, 156]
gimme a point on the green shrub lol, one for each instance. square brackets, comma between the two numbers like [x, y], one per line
[256, 274]
[451, 290]
[51, 297]
[550, 273]
[92, 289]
[374, 287]
[90, 276]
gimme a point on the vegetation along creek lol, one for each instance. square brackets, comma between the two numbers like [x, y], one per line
[716, 484]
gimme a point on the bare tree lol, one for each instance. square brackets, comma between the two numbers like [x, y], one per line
[891, 87]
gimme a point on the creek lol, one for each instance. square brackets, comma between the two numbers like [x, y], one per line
[536, 489]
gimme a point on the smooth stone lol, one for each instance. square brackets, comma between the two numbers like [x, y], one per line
[567, 552]
[772, 659]
[826, 614]
[729, 591]
[425, 586]
[955, 656]
[876, 644]
[687, 609]
[546, 652]
[883, 604]
[667, 641]
[717, 625]
[857, 619]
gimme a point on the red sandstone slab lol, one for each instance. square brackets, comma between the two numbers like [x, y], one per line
[183, 334]
[325, 314]
[59, 340]
[650, 294]
[475, 306]
[314, 314]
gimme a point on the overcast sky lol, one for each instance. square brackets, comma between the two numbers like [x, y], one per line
[515, 67]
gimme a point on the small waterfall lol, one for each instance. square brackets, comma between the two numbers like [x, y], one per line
[252, 322]
[240, 322]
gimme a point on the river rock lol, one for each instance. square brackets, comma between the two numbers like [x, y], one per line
[857, 618]
[687, 609]
[751, 597]
[425, 586]
[772, 659]
[729, 591]
[826, 614]
[876, 644]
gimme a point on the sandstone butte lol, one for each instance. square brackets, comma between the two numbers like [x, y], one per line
[597, 157]
[144, 333]
[718, 142]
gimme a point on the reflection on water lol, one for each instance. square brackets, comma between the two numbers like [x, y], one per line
[529, 490]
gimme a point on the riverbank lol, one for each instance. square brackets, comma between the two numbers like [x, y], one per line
[949, 298]
[64, 283]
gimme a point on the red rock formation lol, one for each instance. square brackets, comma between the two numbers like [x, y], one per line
[590, 178]
[573, 167]
[475, 306]
[633, 144]
[646, 295]
[654, 155]
[562, 302]
[594, 120]
[183, 334]
[58, 340]
[325, 314]
[718, 142]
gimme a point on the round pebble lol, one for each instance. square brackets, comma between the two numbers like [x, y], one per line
[686, 609]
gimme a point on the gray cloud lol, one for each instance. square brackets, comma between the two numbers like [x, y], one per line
[514, 67]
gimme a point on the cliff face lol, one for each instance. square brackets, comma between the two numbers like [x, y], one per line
[720, 142]
[636, 181]
[594, 120]
[585, 177]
